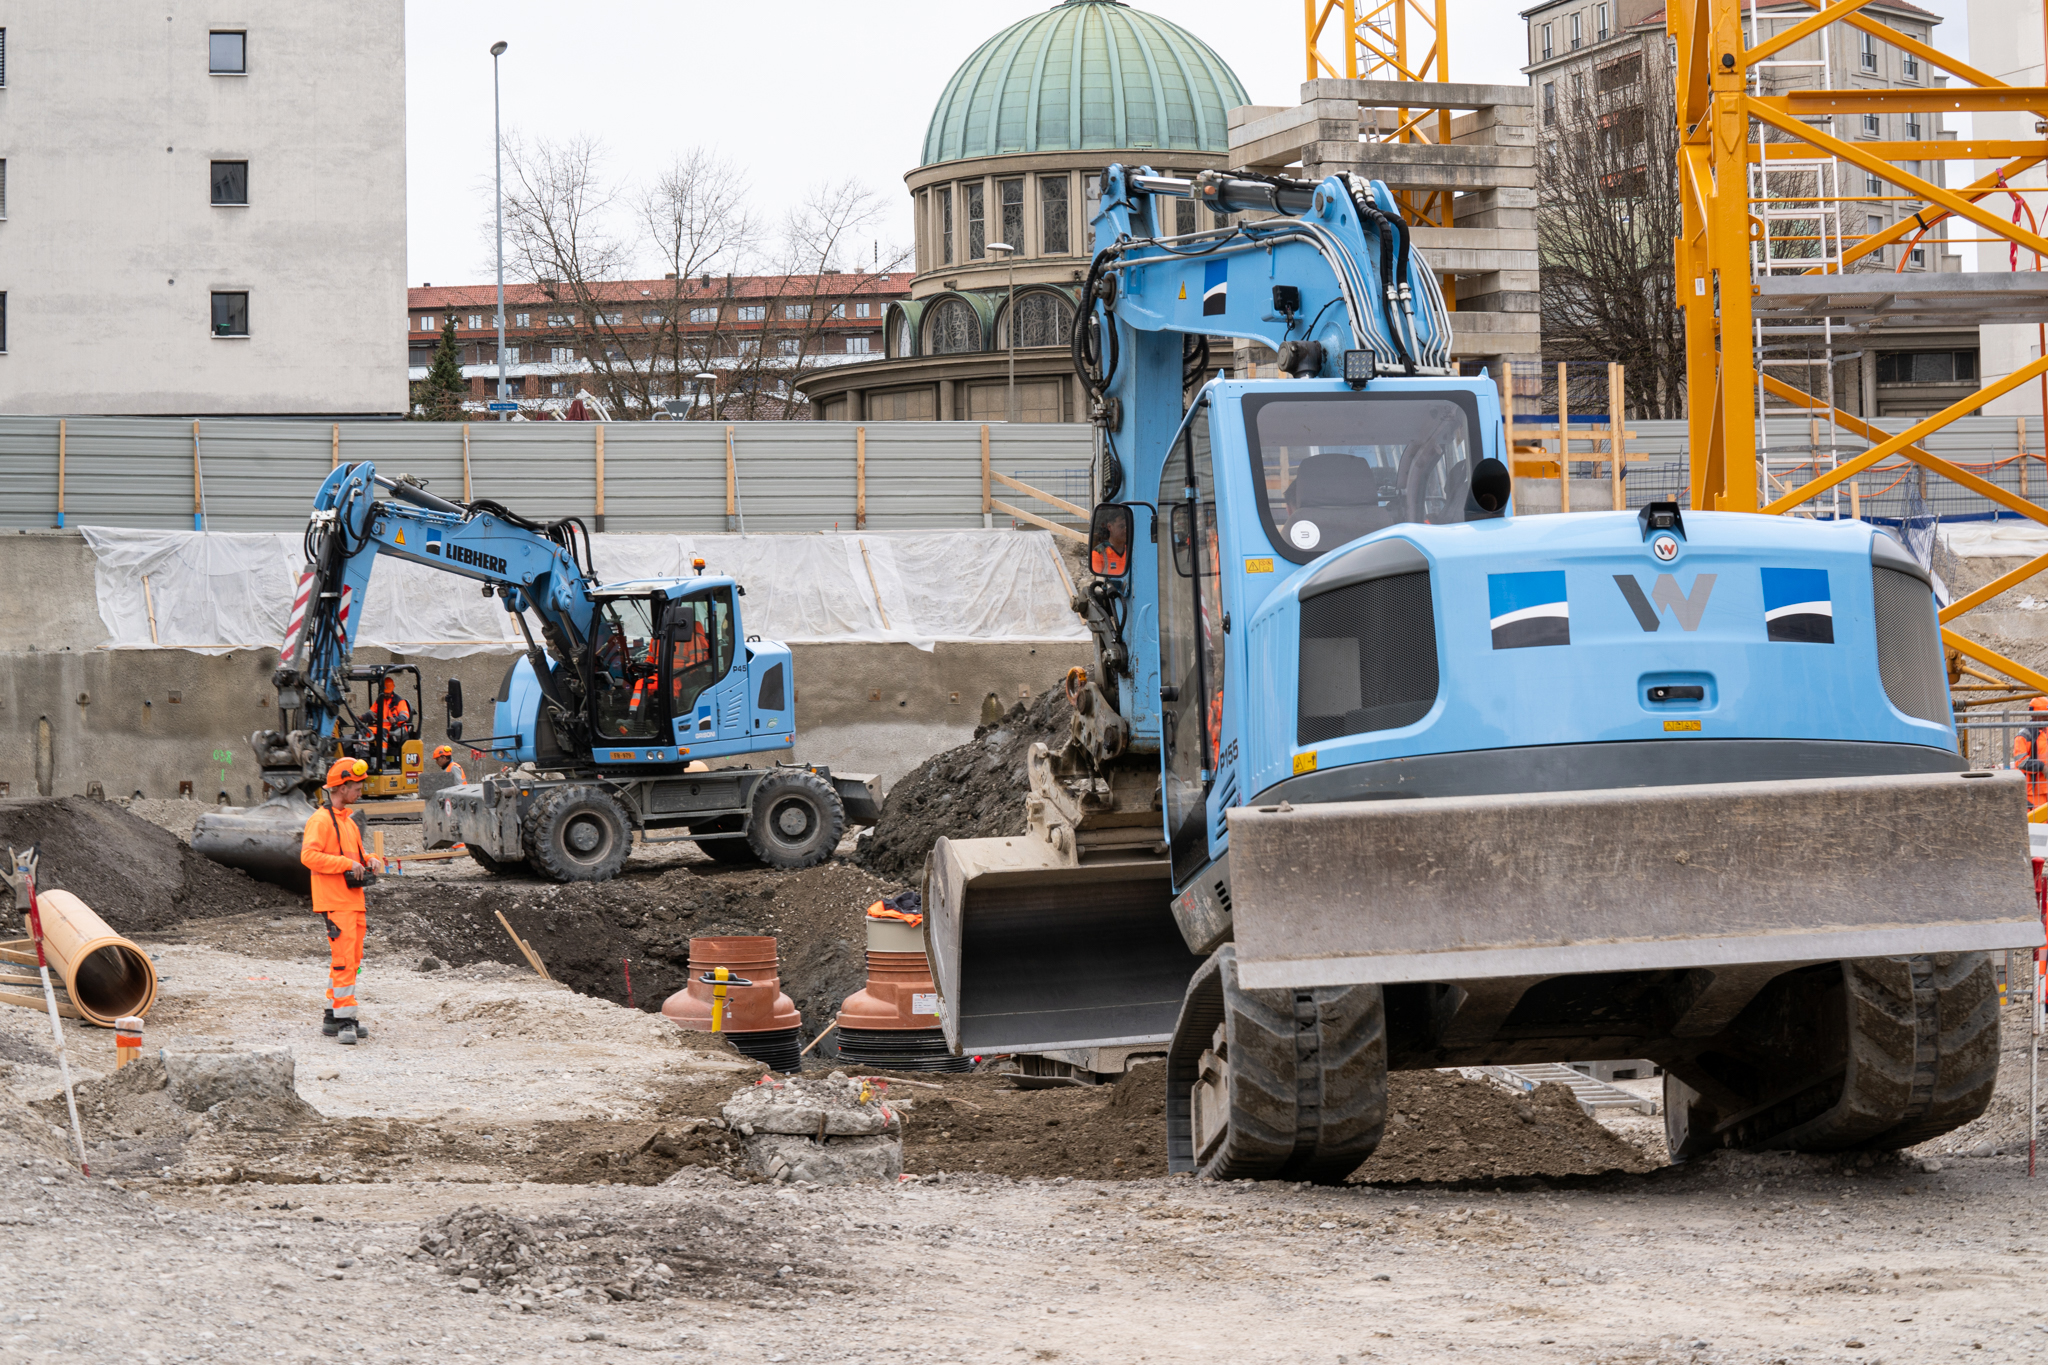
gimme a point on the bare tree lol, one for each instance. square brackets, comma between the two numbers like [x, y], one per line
[1607, 215]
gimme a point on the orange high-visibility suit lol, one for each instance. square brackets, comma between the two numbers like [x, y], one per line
[329, 848]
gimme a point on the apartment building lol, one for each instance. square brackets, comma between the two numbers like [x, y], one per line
[202, 209]
[1610, 62]
[639, 345]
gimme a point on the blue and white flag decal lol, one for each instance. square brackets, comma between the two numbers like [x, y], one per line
[1797, 607]
[1528, 609]
[1215, 287]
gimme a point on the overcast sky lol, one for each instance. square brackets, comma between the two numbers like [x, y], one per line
[798, 92]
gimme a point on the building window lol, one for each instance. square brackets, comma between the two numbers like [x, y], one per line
[1619, 75]
[858, 345]
[791, 346]
[522, 319]
[1576, 39]
[427, 323]
[561, 355]
[231, 182]
[753, 312]
[1052, 215]
[903, 335]
[609, 319]
[863, 310]
[703, 315]
[227, 54]
[511, 355]
[652, 319]
[1909, 65]
[945, 225]
[3, 319]
[837, 310]
[1600, 23]
[1913, 127]
[1873, 225]
[1185, 212]
[476, 322]
[1550, 101]
[561, 319]
[3, 189]
[1044, 319]
[1011, 195]
[1091, 199]
[558, 386]
[1867, 48]
[1872, 185]
[1547, 49]
[1870, 124]
[977, 230]
[952, 328]
[1927, 367]
[747, 347]
[1919, 256]
[3, 58]
[614, 355]
[796, 311]
[231, 314]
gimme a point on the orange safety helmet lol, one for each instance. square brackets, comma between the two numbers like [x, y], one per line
[346, 770]
[2038, 704]
[390, 685]
[443, 754]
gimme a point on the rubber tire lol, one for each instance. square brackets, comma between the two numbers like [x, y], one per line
[1307, 1077]
[497, 867]
[554, 819]
[788, 789]
[1922, 1060]
[737, 852]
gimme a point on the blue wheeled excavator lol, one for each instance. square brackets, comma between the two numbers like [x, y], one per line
[1372, 772]
[606, 720]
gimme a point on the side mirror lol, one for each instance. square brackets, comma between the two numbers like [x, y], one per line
[1491, 486]
[1109, 540]
[454, 728]
[1180, 528]
[453, 701]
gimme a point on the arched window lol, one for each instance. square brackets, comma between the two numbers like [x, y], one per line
[1045, 320]
[952, 328]
[900, 335]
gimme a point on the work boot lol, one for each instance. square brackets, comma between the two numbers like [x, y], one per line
[348, 1033]
[329, 1025]
[362, 1031]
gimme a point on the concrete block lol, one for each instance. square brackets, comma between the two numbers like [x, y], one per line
[1486, 297]
[1247, 113]
[200, 1080]
[1416, 166]
[1465, 251]
[1418, 94]
[836, 1161]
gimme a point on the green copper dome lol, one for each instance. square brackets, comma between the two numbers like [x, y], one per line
[1085, 74]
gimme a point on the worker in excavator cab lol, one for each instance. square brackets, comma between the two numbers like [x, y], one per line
[2027, 754]
[390, 720]
[445, 758]
[1110, 555]
[331, 848]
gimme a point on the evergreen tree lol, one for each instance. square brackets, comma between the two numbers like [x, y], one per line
[438, 397]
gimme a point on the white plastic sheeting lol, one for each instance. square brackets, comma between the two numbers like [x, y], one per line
[221, 591]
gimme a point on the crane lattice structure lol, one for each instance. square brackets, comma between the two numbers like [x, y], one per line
[1388, 40]
[1735, 294]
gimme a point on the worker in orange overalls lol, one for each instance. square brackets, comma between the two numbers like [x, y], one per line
[332, 849]
[445, 756]
[2028, 756]
[390, 721]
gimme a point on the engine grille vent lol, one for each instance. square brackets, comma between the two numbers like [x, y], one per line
[1909, 655]
[1368, 658]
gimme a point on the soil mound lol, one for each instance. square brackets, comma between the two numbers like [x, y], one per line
[135, 876]
[976, 791]
[1443, 1127]
[1089, 1132]
[588, 932]
[484, 1244]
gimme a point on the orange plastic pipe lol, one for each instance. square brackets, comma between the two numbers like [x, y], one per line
[105, 975]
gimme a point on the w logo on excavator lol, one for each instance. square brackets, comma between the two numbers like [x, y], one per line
[1688, 607]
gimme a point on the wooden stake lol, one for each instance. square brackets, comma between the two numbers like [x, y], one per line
[60, 470]
[1564, 444]
[872, 583]
[525, 949]
[987, 501]
[860, 479]
[334, 447]
[149, 605]
[599, 429]
[1615, 435]
[467, 496]
[820, 1038]
[1507, 405]
[1855, 500]
[198, 485]
[732, 487]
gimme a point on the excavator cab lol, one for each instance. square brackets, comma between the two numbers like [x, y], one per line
[386, 733]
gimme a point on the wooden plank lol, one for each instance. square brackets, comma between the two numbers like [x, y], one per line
[467, 496]
[1036, 520]
[526, 950]
[1040, 494]
[860, 478]
[598, 455]
[987, 504]
[1564, 444]
[35, 1002]
[380, 807]
[879, 608]
[334, 447]
[60, 464]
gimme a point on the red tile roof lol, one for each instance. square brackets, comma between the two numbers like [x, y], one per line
[848, 283]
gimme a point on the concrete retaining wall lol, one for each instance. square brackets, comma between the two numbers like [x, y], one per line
[148, 720]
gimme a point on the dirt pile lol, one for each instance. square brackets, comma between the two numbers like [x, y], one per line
[485, 1245]
[136, 876]
[588, 932]
[976, 791]
[1444, 1127]
[1089, 1132]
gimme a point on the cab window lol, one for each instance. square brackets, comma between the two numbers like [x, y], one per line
[1337, 466]
[626, 671]
[700, 642]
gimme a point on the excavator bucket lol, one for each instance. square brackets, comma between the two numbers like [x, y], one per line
[1032, 954]
[262, 841]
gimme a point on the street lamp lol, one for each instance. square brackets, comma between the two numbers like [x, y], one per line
[498, 137]
[1010, 259]
[706, 377]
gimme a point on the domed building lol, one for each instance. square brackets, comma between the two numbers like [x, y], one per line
[1014, 155]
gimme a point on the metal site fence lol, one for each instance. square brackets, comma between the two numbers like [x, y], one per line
[1986, 735]
[226, 474]
[258, 475]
